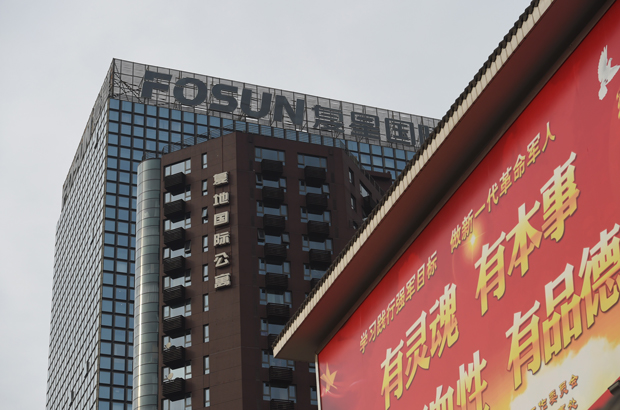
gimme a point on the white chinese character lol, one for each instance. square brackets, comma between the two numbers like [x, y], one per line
[221, 199]
[221, 218]
[221, 259]
[222, 238]
[220, 179]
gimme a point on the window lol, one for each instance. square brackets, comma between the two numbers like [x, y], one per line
[205, 215]
[264, 238]
[312, 161]
[310, 273]
[182, 310]
[186, 251]
[183, 223]
[269, 360]
[308, 244]
[313, 397]
[205, 187]
[267, 328]
[283, 298]
[279, 183]
[183, 372]
[183, 280]
[206, 365]
[304, 189]
[205, 273]
[279, 393]
[181, 341]
[306, 216]
[205, 243]
[206, 333]
[265, 267]
[261, 210]
[312, 367]
[352, 202]
[207, 398]
[204, 160]
[186, 196]
[182, 166]
[181, 404]
[205, 302]
[265, 153]
[351, 177]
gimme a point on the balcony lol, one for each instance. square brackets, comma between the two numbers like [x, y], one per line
[318, 231]
[314, 176]
[278, 313]
[174, 357]
[174, 238]
[276, 281]
[174, 295]
[174, 267]
[280, 375]
[281, 405]
[316, 203]
[175, 211]
[275, 253]
[274, 224]
[271, 339]
[174, 326]
[173, 389]
[175, 184]
[368, 204]
[320, 259]
[273, 196]
[271, 169]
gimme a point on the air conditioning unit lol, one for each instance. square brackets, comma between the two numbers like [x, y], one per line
[223, 281]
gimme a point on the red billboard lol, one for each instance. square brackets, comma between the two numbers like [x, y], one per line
[509, 297]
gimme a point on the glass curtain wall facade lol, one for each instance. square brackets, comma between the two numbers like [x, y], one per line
[91, 335]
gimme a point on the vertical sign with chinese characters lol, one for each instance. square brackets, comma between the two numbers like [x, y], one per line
[221, 237]
[510, 297]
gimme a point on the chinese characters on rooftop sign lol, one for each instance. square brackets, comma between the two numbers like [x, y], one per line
[510, 298]
[272, 107]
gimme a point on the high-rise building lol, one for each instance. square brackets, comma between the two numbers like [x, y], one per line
[269, 142]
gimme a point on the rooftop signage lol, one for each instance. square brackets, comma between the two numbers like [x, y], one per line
[509, 299]
[287, 110]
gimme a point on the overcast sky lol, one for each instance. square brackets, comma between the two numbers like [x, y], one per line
[410, 56]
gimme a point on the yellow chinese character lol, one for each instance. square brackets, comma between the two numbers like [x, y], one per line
[549, 137]
[400, 300]
[572, 404]
[599, 289]
[522, 232]
[570, 317]
[519, 168]
[390, 312]
[559, 199]
[364, 341]
[491, 274]
[471, 382]
[525, 345]
[455, 240]
[562, 407]
[446, 319]
[553, 397]
[444, 402]
[505, 182]
[431, 265]
[468, 225]
[381, 319]
[533, 150]
[573, 381]
[420, 277]
[373, 330]
[410, 287]
[392, 374]
[417, 354]
[543, 404]
[492, 197]
[563, 389]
